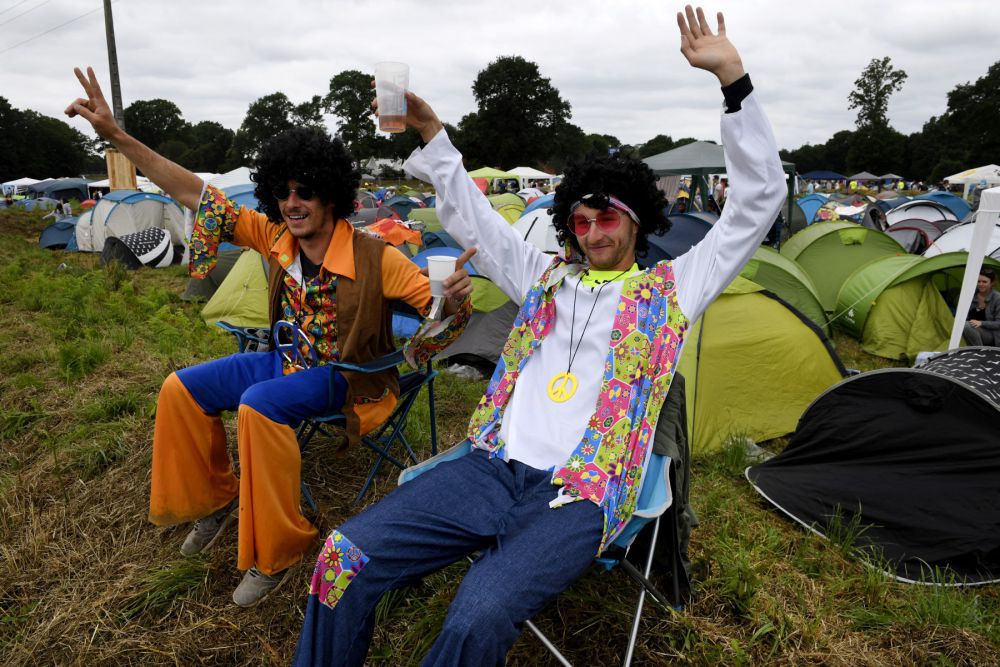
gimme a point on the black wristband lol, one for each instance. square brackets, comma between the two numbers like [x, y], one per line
[736, 92]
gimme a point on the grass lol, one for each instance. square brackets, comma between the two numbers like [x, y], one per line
[85, 579]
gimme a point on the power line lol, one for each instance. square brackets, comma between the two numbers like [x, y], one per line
[15, 5]
[26, 11]
[41, 34]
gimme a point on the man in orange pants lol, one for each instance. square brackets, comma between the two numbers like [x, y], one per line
[332, 283]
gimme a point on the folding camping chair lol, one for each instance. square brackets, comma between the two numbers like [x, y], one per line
[655, 503]
[383, 439]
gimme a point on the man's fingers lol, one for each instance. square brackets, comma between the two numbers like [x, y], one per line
[692, 22]
[722, 24]
[96, 92]
[465, 257]
[703, 23]
[82, 79]
[71, 109]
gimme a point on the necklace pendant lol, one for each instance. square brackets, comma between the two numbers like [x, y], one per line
[562, 387]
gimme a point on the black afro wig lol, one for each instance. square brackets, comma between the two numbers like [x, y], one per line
[312, 157]
[623, 177]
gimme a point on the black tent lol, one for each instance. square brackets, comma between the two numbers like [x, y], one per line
[150, 247]
[913, 456]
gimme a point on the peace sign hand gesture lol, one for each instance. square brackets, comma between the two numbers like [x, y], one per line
[708, 51]
[94, 109]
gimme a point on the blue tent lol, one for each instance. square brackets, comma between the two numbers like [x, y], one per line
[956, 205]
[62, 188]
[402, 205]
[686, 229]
[810, 204]
[823, 176]
[243, 195]
[43, 203]
[439, 239]
[431, 201]
[545, 201]
[59, 235]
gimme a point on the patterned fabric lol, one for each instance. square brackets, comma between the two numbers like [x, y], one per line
[214, 222]
[432, 337]
[607, 466]
[339, 561]
[313, 305]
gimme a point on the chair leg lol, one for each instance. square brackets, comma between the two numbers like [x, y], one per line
[548, 644]
[634, 634]
[430, 411]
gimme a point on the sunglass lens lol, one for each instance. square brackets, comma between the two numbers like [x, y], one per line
[579, 223]
[280, 191]
[304, 192]
[608, 220]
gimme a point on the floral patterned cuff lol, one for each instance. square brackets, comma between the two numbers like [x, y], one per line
[214, 223]
[432, 337]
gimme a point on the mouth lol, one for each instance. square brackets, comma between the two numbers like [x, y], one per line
[296, 217]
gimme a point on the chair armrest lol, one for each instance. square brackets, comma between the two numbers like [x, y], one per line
[383, 363]
[247, 335]
[458, 451]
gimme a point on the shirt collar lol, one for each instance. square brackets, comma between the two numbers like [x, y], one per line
[339, 258]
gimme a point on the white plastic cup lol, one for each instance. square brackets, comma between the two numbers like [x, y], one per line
[439, 267]
[392, 80]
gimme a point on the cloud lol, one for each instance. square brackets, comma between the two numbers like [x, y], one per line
[617, 63]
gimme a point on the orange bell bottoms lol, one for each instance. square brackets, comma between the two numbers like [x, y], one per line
[192, 475]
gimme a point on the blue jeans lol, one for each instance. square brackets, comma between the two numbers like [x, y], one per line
[254, 379]
[529, 554]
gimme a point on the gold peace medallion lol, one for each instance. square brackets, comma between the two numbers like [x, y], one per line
[562, 386]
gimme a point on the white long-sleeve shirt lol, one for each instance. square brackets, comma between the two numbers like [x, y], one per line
[538, 431]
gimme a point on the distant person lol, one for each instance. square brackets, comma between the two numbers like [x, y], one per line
[977, 194]
[983, 325]
[8, 199]
[811, 187]
[67, 208]
[334, 284]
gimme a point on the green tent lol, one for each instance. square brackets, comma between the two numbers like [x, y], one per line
[786, 280]
[491, 173]
[831, 251]
[508, 204]
[899, 306]
[428, 216]
[241, 299]
[752, 364]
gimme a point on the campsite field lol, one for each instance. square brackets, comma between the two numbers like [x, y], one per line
[84, 579]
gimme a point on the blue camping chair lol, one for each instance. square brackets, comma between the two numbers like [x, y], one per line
[655, 504]
[390, 435]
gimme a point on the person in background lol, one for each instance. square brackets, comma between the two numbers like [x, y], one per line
[983, 325]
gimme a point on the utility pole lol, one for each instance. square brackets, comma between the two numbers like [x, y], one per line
[116, 89]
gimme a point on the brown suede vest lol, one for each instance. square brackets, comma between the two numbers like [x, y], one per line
[364, 327]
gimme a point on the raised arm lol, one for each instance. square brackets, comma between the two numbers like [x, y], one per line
[174, 179]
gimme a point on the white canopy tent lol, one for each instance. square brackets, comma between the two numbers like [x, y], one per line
[238, 176]
[528, 174]
[145, 185]
[17, 185]
[972, 177]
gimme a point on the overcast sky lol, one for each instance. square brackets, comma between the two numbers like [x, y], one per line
[616, 62]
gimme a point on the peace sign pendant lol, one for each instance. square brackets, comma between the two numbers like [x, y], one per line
[562, 386]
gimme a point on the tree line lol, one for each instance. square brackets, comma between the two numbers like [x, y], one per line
[966, 135]
[520, 119]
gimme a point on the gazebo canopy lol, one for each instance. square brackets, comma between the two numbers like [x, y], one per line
[699, 158]
[886, 177]
[490, 172]
[864, 176]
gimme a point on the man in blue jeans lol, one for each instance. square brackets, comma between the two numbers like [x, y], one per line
[551, 480]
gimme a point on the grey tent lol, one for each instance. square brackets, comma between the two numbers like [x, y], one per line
[62, 188]
[863, 176]
[700, 159]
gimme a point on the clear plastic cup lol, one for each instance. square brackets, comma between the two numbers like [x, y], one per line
[392, 80]
[439, 267]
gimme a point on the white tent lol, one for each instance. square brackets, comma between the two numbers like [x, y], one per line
[971, 177]
[145, 185]
[919, 209]
[959, 238]
[528, 174]
[238, 176]
[17, 185]
[536, 228]
[122, 212]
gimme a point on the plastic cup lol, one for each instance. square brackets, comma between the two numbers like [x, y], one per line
[392, 80]
[439, 267]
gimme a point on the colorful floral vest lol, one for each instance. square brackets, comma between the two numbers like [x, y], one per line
[607, 466]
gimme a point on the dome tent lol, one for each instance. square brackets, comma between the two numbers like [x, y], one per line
[910, 456]
[898, 306]
[830, 251]
[123, 212]
[751, 364]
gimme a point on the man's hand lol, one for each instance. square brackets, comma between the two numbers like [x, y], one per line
[975, 324]
[94, 109]
[707, 51]
[419, 115]
[458, 286]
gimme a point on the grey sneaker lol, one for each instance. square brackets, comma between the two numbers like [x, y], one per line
[208, 529]
[256, 586]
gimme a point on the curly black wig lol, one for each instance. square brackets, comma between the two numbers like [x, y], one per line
[623, 177]
[312, 157]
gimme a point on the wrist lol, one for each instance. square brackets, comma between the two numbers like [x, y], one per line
[729, 73]
[430, 130]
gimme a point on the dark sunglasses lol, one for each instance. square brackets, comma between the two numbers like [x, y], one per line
[283, 192]
[607, 220]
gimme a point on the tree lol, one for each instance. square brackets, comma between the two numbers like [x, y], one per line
[208, 143]
[155, 121]
[518, 109]
[40, 146]
[872, 90]
[349, 99]
[266, 117]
